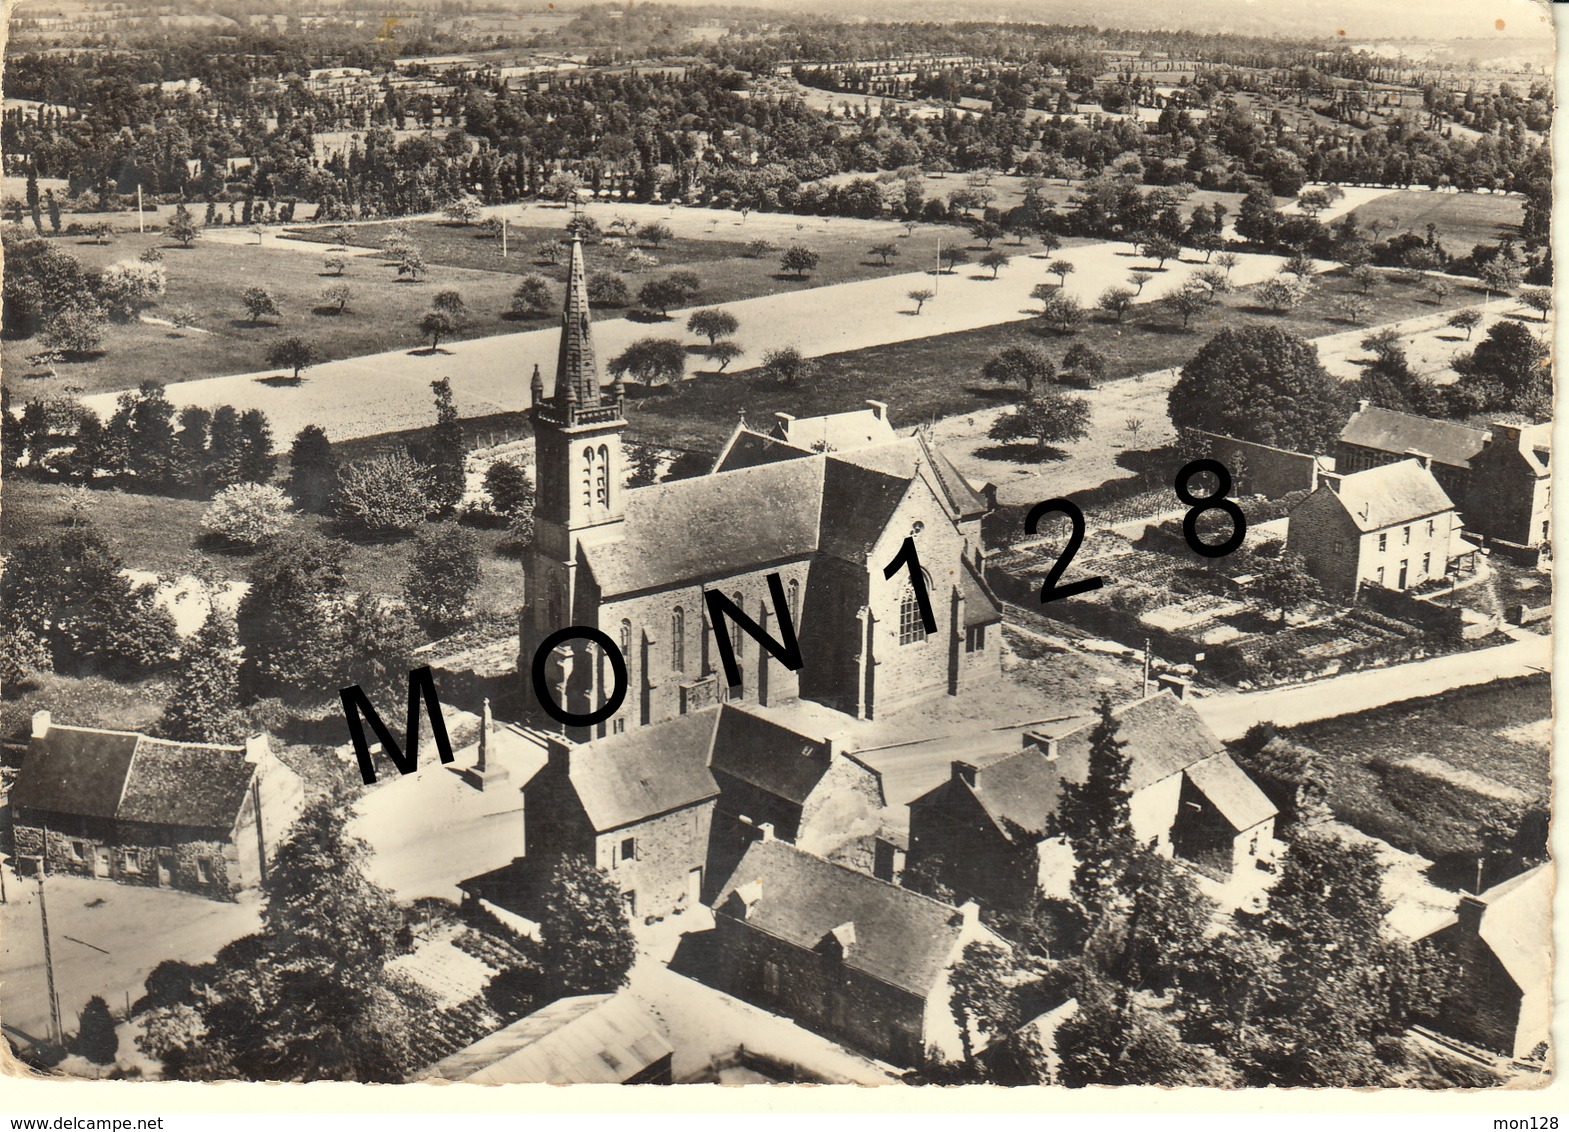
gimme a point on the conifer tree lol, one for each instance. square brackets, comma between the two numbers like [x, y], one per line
[444, 451]
[191, 443]
[95, 1036]
[313, 469]
[256, 461]
[1093, 816]
[224, 448]
[205, 706]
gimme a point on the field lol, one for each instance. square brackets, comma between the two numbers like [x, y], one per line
[931, 378]
[1463, 219]
[1500, 731]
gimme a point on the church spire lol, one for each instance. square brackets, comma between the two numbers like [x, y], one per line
[577, 372]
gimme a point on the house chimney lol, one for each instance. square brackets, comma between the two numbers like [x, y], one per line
[1174, 684]
[558, 755]
[42, 721]
[1470, 912]
[1423, 458]
[765, 831]
[1508, 435]
[879, 409]
[1331, 480]
[970, 914]
[964, 772]
[1362, 405]
[257, 748]
[784, 420]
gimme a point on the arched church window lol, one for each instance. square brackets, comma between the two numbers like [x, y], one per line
[626, 637]
[794, 596]
[911, 628]
[678, 639]
[588, 476]
[602, 477]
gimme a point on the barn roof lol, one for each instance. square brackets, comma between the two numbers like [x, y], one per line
[1385, 430]
[628, 778]
[596, 1039]
[1389, 495]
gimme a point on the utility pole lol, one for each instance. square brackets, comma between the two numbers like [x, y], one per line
[43, 918]
[937, 275]
[1144, 689]
[503, 237]
[139, 223]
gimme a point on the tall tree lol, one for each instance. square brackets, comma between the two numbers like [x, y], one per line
[585, 942]
[255, 458]
[1094, 817]
[313, 469]
[205, 705]
[287, 619]
[96, 1039]
[444, 451]
[442, 576]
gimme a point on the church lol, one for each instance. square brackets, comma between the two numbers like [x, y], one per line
[825, 504]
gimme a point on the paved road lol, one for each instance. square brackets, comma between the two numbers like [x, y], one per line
[1231, 715]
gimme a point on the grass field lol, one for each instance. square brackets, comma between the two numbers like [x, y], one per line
[1463, 219]
[931, 378]
[162, 534]
[1486, 730]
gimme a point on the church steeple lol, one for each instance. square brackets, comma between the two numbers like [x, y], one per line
[577, 392]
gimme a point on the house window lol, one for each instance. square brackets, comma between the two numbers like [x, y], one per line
[628, 848]
[1430, 528]
[1407, 533]
[1383, 541]
[626, 638]
[133, 862]
[618, 726]
[1340, 546]
[794, 593]
[1380, 575]
[678, 639]
[1427, 564]
[911, 628]
[78, 851]
[975, 638]
[204, 870]
[630, 900]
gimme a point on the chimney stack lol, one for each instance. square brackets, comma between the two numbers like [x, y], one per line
[1174, 684]
[1470, 912]
[42, 721]
[879, 409]
[1362, 405]
[256, 748]
[558, 755]
[964, 772]
[765, 831]
[1331, 480]
[1423, 458]
[970, 914]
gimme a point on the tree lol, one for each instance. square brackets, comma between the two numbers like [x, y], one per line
[920, 297]
[1539, 299]
[1263, 385]
[651, 362]
[656, 233]
[451, 302]
[254, 460]
[335, 262]
[443, 574]
[757, 249]
[1227, 260]
[1113, 1039]
[1061, 268]
[533, 296]
[74, 331]
[722, 353]
[954, 257]
[1283, 293]
[183, 228]
[1160, 249]
[1300, 264]
[436, 325]
[1062, 313]
[443, 451]
[982, 995]
[995, 260]
[1047, 417]
[885, 252]
[259, 304]
[286, 620]
[205, 706]
[989, 231]
[411, 262]
[1085, 362]
[605, 290]
[293, 353]
[313, 469]
[712, 324]
[1467, 320]
[387, 492]
[585, 943]
[1115, 301]
[788, 366]
[670, 291]
[1026, 363]
[1093, 817]
[1285, 583]
[509, 488]
[1515, 362]
[799, 260]
[463, 210]
[1501, 273]
[246, 513]
[1137, 279]
[127, 287]
[96, 1039]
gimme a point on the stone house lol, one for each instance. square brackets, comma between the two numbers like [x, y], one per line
[843, 953]
[985, 831]
[1499, 477]
[1391, 526]
[204, 818]
[1502, 940]
[636, 564]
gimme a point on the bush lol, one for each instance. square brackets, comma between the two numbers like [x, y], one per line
[125, 288]
[509, 488]
[246, 513]
[605, 290]
[443, 574]
[388, 492]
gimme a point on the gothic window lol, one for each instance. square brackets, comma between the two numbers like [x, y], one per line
[626, 637]
[588, 476]
[678, 639]
[911, 629]
[795, 602]
[602, 478]
[736, 635]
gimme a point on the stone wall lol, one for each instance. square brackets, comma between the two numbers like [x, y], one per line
[75, 847]
[665, 851]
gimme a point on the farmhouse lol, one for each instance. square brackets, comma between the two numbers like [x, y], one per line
[843, 953]
[637, 564]
[1390, 526]
[985, 831]
[138, 810]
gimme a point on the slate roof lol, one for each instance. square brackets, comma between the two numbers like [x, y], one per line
[1395, 493]
[901, 938]
[131, 777]
[1234, 794]
[839, 431]
[901, 457]
[768, 755]
[1385, 430]
[1163, 735]
[628, 778]
[1516, 926]
[980, 605]
[857, 506]
[748, 449]
[595, 1039]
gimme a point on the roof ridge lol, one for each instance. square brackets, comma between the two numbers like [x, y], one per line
[868, 877]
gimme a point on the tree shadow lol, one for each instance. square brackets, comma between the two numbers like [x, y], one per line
[428, 351]
[646, 316]
[789, 277]
[1022, 452]
[523, 316]
[1451, 338]
[327, 311]
[1002, 394]
[280, 380]
[251, 324]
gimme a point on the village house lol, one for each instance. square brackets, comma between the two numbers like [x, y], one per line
[1499, 477]
[637, 564]
[984, 832]
[843, 953]
[590, 1039]
[127, 807]
[1503, 999]
[1391, 526]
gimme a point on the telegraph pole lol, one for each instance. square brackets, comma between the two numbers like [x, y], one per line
[1144, 689]
[139, 222]
[43, 918]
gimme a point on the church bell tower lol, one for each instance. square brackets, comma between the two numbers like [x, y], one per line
[579, 473]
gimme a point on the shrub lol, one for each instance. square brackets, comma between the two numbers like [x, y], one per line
[246, 513]
[443, 573]
[605, 290]
[130, 285]
[388, 492]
